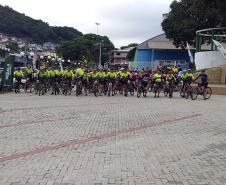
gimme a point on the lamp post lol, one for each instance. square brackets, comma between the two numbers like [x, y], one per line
[99, 65]
[98, 24]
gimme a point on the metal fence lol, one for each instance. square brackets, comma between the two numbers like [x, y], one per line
[153, 65]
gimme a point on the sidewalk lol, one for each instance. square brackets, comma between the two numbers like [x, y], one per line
[218, 89]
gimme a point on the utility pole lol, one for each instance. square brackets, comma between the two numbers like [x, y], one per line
[99, 63]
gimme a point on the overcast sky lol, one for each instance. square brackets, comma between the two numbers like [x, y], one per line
[123, 21]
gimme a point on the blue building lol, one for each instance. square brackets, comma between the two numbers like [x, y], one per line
[160, 51]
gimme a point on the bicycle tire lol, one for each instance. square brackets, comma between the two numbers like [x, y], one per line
[109, 89]
[208, 94]
[138, 92]
[194, 94]
[170, 92]
[145, 93]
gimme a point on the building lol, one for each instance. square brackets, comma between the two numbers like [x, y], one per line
[49, 46]
[160, 51]
[121, 57]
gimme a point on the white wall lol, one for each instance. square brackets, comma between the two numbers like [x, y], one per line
[208, 59]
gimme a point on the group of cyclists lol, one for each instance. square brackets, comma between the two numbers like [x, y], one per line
[124, 81]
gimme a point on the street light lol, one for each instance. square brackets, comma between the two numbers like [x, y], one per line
[98, 24]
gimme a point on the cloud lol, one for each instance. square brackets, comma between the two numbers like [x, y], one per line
[123, 21]
[135, 21]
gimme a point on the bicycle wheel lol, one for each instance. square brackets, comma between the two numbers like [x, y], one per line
[207, 93]
[194, 94]
[78, 90]
[166, 92]
[109, 89]
[125, 90]
[145, 92]
[170, 92]
[40, 89]
[65, 90]
[96, 91]
[31, 88]
[138, 92]
[182, 93]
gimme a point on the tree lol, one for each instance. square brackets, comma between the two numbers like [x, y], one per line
[87, 46]
[129, 45]
[188, 16]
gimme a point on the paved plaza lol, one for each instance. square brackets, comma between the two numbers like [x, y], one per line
[58, 140]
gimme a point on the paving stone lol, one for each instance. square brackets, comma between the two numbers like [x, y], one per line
[62, 140]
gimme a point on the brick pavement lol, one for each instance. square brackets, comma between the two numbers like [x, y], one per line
[87, 140]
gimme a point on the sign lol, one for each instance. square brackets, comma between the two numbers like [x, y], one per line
[8, 73]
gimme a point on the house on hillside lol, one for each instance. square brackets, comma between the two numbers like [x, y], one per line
[48, 46]
[158, 51]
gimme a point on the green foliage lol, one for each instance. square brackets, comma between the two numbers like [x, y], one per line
[188, 16]
[86, 47]
[130, 45]
[19, 25]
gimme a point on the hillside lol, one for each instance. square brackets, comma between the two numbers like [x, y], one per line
[19, 25]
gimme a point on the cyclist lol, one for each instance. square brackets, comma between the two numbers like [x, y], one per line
[125, 77]
[18, 74]
[85, 79]
[170, 80]
[190, 76]
[58, 74]
[157, 78]
[111, 74]
[41, 75]
[170, 77]
[204, 79]
[175, 70]
[28, 73]
[80, 71]
[184, 78]
[52, 77]
[68, 75]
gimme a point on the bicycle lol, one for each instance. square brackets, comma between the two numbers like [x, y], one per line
[29, 86]
[141, 89]
[96, 89]
[206, 92]
[40, 87]
[187, 90]
[156, 89]
[66, 87]
[169, 88]
[78, 90]
[110, 88]
[16, 86]
[55, 87]
[118, 87]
